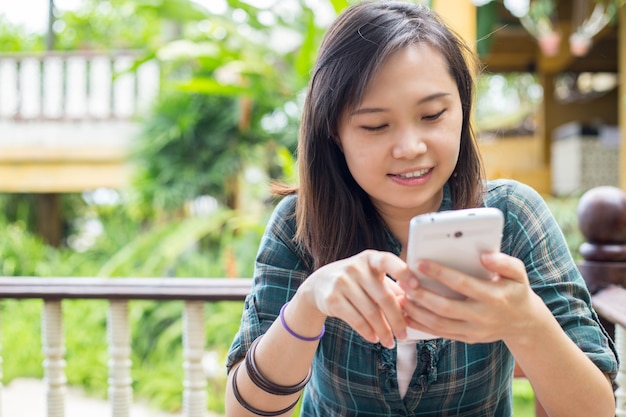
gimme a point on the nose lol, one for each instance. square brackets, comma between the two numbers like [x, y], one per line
[408, 144]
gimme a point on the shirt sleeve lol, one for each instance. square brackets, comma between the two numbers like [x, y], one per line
[533, 235]
[279, 270]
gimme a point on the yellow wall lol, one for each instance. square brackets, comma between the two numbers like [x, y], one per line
[460, 15]
[517, 158]
[47, 170]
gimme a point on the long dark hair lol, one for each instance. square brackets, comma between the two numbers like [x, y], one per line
[335, 217]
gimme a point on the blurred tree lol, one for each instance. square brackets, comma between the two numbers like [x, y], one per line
[121, 24]
[232, 83]
[15, 38]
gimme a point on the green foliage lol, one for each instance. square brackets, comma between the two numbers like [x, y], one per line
[21, 253]
[564, 210]
[107, 25]
[14, 38]
[228, 88]
[507, 103]
[523, 398]
[188, 148]
[21, 339]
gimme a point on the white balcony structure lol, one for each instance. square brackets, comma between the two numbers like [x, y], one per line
[67, 119]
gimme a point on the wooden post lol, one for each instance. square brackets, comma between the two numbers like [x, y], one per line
[621, 101]
[602, 221]
[49, 219]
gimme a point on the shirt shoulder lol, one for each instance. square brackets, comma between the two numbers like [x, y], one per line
[507, 194]
[279, 238]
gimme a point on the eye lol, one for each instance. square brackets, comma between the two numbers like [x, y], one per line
[434, 116]
[374, 128]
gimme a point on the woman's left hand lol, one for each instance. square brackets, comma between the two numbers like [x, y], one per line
[494, 309]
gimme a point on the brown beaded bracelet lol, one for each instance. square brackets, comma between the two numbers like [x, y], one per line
[262, 382]
[250, 408]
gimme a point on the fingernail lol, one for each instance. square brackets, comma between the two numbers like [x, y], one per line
[423, 265]
[409, 284]
[374, 261]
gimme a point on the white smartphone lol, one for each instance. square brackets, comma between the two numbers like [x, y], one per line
[454, 238]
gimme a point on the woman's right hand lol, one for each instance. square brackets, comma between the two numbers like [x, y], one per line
[358, 291]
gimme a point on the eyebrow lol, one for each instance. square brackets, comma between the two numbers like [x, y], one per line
[426, 99]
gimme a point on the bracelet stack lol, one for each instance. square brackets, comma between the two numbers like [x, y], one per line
[266, 385]
[252, 409]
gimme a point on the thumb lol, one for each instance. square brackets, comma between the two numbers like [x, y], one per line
[504, 265]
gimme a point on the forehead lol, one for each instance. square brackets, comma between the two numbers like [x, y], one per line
[416, 67]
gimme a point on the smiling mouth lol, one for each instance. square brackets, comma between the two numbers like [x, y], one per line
[414, 174]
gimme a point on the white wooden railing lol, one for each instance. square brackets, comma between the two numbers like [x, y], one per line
[610, 303]
[119, 291]
[76, 85]
[68, 119]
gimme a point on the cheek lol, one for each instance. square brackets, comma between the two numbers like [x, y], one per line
[451, 136]
[363, 162]
[360, 161]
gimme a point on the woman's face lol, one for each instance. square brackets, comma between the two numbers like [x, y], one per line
[401, 143]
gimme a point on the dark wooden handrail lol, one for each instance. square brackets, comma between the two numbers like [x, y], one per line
[610, 304]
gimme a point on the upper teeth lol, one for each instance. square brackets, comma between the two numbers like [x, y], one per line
[414, 173]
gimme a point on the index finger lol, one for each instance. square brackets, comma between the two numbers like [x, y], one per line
[390, 264]
[385, 264]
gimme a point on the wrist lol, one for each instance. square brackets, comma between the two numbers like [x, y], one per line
[534, 327]
[303, 317]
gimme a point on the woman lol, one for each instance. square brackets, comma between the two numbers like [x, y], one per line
[385, 136]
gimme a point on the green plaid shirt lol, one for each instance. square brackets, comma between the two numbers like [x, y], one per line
[354, 377]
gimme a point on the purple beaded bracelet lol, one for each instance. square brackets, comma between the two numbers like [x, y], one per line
[294, 334]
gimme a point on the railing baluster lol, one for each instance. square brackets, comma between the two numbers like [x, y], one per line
[52, 86]
[194, 395]
[54, 362]
[9, 82]
[30, 81]
[620, 393]
[120, 390]
[1, 375]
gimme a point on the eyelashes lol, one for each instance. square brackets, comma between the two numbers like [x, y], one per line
[428, 118]
[434, 116]
[374, 128]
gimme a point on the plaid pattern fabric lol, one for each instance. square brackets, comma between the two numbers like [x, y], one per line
[354, 377]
